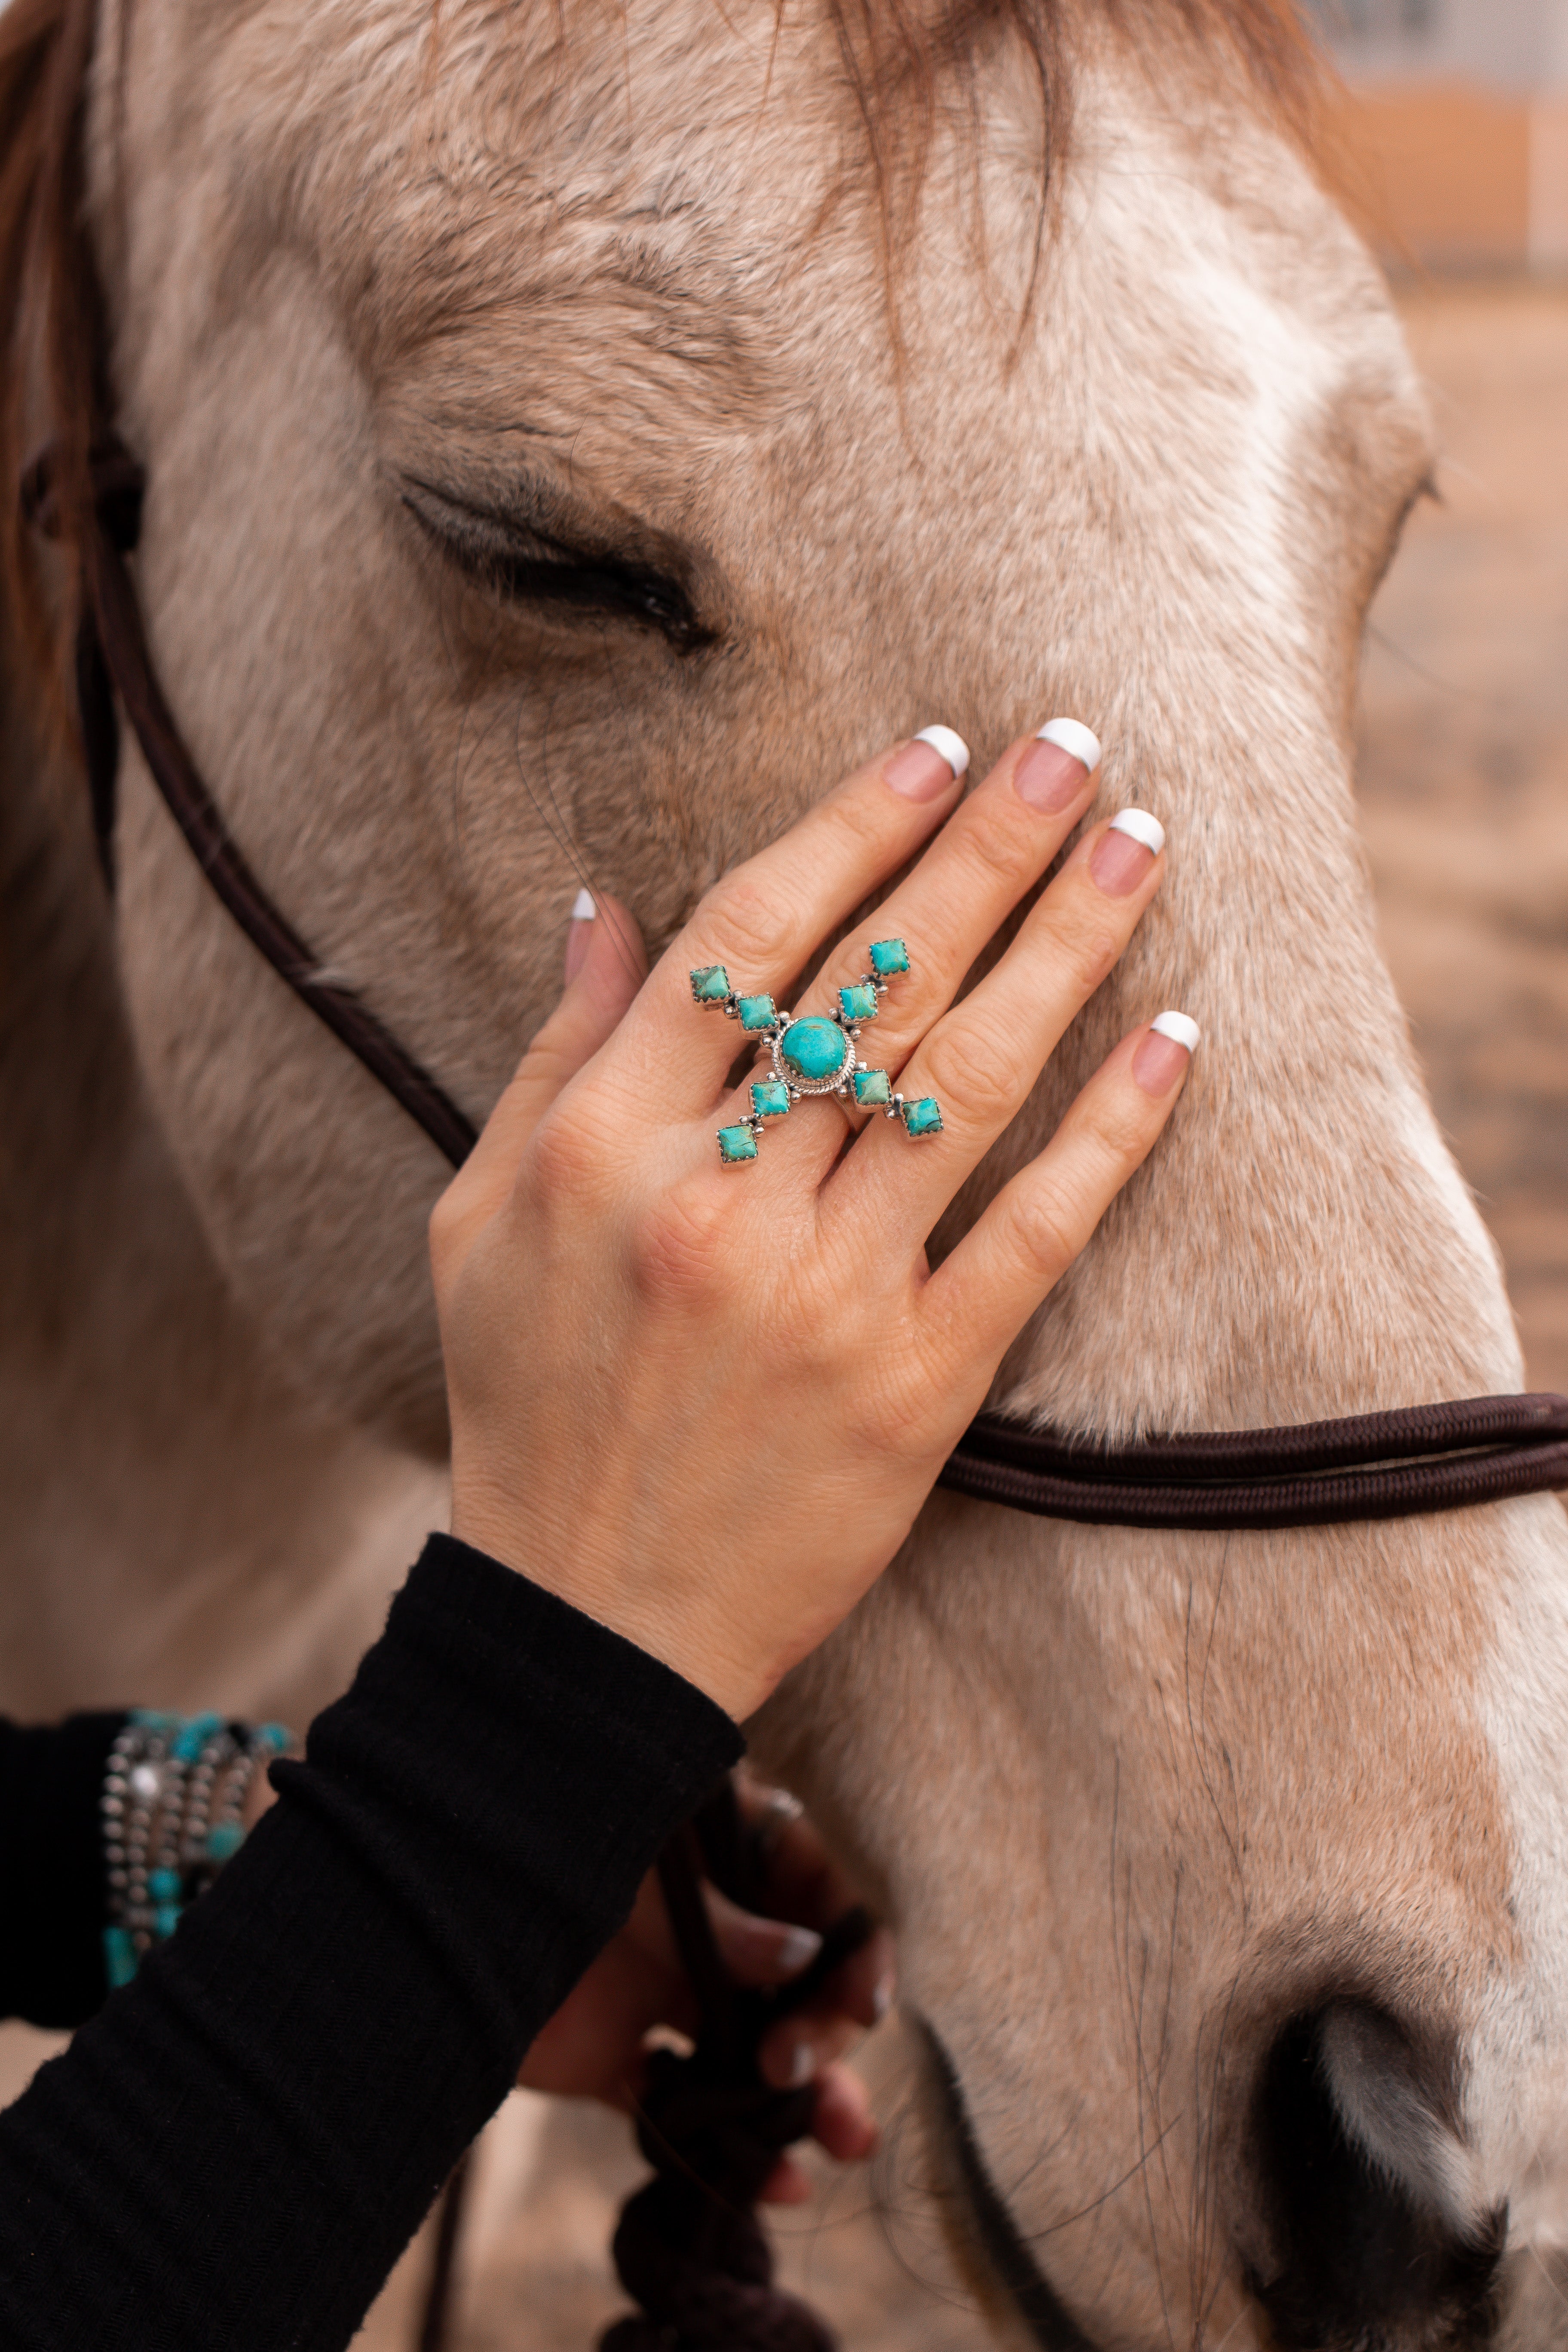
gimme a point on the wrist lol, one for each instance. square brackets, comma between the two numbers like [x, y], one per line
[684, 1634]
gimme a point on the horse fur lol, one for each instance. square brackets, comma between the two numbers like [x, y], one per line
[1131, 443]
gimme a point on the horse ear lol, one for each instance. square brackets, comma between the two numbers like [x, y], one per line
[1393, 2112]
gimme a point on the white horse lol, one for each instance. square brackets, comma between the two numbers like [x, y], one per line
[574, 438]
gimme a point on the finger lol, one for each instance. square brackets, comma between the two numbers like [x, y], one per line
[855, 1997]
[605, 964]
[796, 2048]
[757, 1952]
[980, 1064]
[990, 853]
[788, 2183]
[844, 2124]
[980, 1295]
[758, 927]
[802, 1882]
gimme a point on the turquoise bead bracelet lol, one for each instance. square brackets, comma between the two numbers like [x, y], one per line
[172, 1810]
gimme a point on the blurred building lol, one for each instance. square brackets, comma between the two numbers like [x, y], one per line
[1458, 127]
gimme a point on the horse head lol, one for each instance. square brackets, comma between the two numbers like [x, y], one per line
[573, 440]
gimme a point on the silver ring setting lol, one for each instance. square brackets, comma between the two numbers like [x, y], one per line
[816, 1054]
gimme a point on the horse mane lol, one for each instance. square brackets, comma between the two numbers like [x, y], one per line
[899, 57]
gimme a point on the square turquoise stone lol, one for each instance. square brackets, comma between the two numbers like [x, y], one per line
[710, 984]
[736, 1143]
[924, 1117]
[756, 1012]
[860, 1003]
[872, 1090]
[888, 956]
[770, 1098]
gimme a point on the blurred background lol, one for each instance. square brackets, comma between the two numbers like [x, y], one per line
[1453, 131]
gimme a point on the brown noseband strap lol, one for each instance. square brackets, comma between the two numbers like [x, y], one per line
[1378, 1466]
[1375, 1465]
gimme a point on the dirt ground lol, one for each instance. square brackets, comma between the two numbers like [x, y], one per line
[1464, 786]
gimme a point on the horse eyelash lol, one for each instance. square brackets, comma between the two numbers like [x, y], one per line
[620, 588]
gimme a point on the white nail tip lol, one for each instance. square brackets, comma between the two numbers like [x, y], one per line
[1179, 1026]
[1071, 736]
[802, 2066]
[582, 907]
[952, 748]
[1139, 826]
[798, 1949]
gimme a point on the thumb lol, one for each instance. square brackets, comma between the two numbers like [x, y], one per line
[605, 964]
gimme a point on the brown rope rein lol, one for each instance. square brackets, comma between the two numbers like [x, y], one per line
[689, 2248]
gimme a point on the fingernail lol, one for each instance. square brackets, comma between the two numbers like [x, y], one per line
[1056, 765]
[1124, 852]
[578, 932]
[928, 764]
[802, 2066]
[798, 1949]
[1165, 1052]
[882, 1996]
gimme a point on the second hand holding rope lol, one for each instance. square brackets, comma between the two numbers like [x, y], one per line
[690, 2247]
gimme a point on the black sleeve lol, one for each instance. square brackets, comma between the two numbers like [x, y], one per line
[52, 1914]
[237, 2149]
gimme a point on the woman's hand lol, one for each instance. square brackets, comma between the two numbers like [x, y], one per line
[595, 2046]
[704, 1403]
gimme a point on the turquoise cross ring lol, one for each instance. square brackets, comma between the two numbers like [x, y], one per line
[818, 1054]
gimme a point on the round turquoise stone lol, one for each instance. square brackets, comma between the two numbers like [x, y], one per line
[813, 1048]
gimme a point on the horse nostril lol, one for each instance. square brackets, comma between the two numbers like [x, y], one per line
[1375, 2221]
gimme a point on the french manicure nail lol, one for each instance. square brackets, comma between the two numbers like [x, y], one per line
[578, 930]
[1056, 765]
[1165, 1052]
[798, 1949]
[802, 2066]
[882, 1996]
[928, 764]
[1122, 855]
[1072, 735]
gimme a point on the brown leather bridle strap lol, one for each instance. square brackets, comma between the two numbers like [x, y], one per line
[1374, 1466]
[121, 644]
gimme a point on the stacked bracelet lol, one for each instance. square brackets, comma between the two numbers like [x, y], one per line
[174, 1805]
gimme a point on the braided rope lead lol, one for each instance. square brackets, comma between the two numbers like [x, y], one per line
[690, 2247]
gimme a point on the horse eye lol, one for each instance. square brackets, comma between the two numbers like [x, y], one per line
[625, 591]
[525, 564]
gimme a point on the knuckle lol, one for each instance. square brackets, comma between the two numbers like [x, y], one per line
[994, 847]
[1116, 1130]
[448, 1222]
[1047, 1230]
[1091, 947]
[977, 1070]
[566, 1158]
[675, 1254]
[756, 924]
